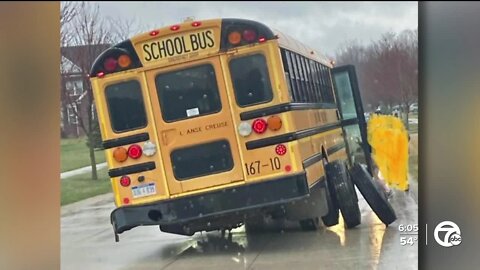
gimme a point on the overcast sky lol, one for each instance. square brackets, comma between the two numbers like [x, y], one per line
[322, 25]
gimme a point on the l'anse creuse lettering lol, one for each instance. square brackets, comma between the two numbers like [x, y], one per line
[178, 45]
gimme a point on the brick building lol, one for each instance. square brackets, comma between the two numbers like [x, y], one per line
[74, 67]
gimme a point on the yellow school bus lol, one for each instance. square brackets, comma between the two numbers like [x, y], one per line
[208, 125]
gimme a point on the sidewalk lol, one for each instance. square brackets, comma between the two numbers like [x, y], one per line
[81, 170]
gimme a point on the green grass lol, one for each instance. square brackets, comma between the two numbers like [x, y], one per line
[80, 187]
[75, 154]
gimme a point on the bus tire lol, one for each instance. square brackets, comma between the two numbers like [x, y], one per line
[310, 224]
[373, 194]
[331, 218]
[344, 192]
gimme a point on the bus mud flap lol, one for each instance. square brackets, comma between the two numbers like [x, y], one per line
[373, 194]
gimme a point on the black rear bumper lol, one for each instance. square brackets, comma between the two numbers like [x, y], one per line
[223, 202]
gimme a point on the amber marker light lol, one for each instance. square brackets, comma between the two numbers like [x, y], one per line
[120, 154]
[274, 123]
[234, 38]
[124, 61]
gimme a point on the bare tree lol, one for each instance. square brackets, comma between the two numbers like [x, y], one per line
[90, 37]
[387, 68]
[67, 14]
[122, 28]
[89, 34]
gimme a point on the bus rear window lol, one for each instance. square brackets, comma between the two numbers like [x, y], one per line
[250, 79]
[200, 160]
[125, 106]
[188, 93]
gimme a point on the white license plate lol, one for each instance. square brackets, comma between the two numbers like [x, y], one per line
[144, 190]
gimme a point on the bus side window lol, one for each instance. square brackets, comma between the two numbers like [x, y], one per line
[303, 97]
[296, 78]
[328, 85]
[323, 83]
[286, 70]
[311, 96]
[316, 76]
[316, 85]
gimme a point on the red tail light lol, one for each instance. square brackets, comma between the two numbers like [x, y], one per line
[110, 64]
[259, 126]
[125, 181]
[135, 151]
[281, 149]
[249, 35]
[126, 200]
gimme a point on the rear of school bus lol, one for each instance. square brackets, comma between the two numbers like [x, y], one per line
[179, 115]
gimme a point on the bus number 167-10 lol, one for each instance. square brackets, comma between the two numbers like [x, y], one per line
[254, 167]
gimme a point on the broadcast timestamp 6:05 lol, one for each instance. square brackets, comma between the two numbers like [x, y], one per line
[408, 234]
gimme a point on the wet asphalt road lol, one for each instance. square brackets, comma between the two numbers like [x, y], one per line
[87, 242]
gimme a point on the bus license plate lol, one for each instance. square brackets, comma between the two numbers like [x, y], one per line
[144, 190]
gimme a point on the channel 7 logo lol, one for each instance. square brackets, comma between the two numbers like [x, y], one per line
[452, 234]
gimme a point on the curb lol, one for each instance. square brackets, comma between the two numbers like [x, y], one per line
[85, 169]
[75, 207]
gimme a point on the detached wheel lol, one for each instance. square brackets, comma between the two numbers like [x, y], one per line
[373, 194]
[344, 192]
[331, 218]
[311, 224]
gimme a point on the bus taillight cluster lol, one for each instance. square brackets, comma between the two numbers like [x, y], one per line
[259, 126]
[247, 36]
[134, 151]
[112, 64]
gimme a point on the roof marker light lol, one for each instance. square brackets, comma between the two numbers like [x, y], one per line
[154, 33]
[175, 27]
